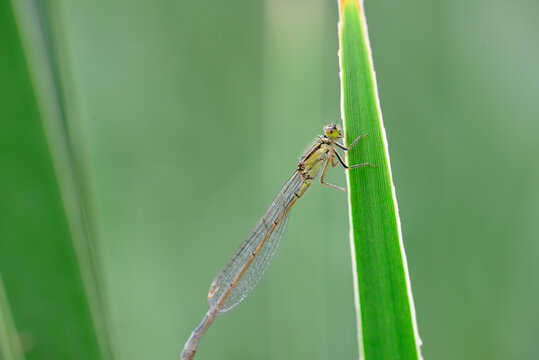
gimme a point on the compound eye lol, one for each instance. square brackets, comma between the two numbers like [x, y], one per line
[331, 131]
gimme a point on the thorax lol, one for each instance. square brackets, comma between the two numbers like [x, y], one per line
[312, 161]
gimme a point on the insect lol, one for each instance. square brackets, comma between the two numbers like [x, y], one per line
[247, 265]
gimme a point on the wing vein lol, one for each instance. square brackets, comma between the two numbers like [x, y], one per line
[260, 263]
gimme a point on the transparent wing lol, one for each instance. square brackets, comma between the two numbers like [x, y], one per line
[261, 262]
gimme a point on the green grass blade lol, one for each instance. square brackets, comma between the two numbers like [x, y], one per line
[386, 317]
[46, 261]
[10, 348]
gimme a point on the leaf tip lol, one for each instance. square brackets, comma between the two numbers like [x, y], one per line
[343, 3]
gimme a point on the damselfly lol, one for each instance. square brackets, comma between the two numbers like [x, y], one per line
[245, 268]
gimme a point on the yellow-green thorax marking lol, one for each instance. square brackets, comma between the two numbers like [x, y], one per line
[313, 160]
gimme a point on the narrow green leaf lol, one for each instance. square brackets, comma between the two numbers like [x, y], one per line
[10, 348]
[46, 257]
[386, 318]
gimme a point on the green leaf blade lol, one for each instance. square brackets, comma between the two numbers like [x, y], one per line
[46, 308]
[387, 320]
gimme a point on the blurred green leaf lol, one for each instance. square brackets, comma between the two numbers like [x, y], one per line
[46, 261]
[10, 347]
[386, 315]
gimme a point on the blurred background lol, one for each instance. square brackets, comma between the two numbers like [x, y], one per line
[179, 122]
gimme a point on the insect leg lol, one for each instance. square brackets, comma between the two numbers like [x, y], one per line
[352, 144]
[324, 174]
[352, 166]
